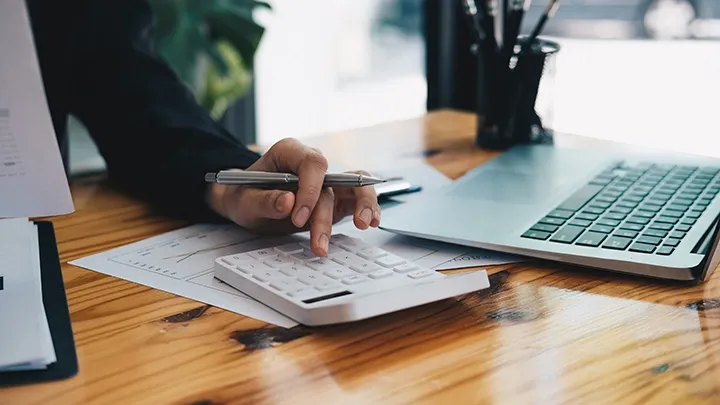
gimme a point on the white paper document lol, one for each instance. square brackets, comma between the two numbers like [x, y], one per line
[32, 176]
[24, 330]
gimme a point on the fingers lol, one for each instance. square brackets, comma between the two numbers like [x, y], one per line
[367, 209]
[321, 222]
[248, 207]
[310, 166]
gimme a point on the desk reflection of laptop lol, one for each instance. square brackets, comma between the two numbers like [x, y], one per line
[649, 215]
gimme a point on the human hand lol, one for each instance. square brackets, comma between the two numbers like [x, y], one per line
[311, 206]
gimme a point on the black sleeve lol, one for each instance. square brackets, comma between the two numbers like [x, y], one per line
[157, 142]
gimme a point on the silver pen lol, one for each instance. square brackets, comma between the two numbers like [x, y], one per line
[287, 180]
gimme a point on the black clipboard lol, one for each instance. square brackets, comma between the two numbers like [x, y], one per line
[56, 307]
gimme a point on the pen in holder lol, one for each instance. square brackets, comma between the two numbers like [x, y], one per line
[507, 95]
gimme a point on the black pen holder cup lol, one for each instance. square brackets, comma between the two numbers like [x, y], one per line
[507, 96]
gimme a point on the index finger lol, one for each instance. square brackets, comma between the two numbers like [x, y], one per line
[310, 166]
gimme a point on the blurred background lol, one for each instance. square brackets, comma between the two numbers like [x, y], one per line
[638, 71]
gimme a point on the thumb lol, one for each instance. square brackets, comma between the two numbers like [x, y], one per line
[249, 207]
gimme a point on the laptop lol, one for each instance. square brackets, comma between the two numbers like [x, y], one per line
[641, 213]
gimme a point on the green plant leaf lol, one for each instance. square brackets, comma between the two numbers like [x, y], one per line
[236, 26]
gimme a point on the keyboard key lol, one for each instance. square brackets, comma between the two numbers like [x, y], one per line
[567, 234]
[671, 242]
[544, 228]
[615, 215]
[642, 248]
[688, 221]
[382, 273]
[683, 227]
[600, 204]
[677, 234]
[601, 229]
[552, 221]
[632, 227]
[289, 248]
[303, 256]
[593, 239]
[405, 268]
[374, 252]
[627, 204]
[353, 245]
[587, 217]
[593, 210]
[649, 240]
[657, 233]
[674, 214]
[677, 207]
[564, 214]
[620, 210]
[540, 235]
[667, 220]
[609, 196]
[683, 201]
[253, 267]
[581, 197]
[420, 274]
[580, 223]
[661, 226]
[617, 243]
[665, 250]
[698, 208]
[704, 201]
[694, 214]
[356, 279]
[655, 201]
[649, 207]
[608, 222]
[626, 233]
[638, 220]
[644, 214]
[390, 261]
[632, 199]
[237, 259]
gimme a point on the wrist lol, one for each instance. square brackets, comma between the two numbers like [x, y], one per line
[215, 199]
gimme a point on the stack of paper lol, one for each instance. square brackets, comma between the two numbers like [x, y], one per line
[24, 331]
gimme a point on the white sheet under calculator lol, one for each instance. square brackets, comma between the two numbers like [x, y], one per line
[356, 281]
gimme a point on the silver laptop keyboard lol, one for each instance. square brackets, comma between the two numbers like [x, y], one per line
[643, 208]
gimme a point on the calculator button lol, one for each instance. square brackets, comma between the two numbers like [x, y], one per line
[303, 256]
[405, 268]
[287, 284]
[236, 259]
[290, 248]
[326, 286]
[365, 267]
[266, 276]
[382, 273]
[339, 273]
[315, 279]
[263, 253]
[356, 279]
[348, 259]
[322, 264]
[372, 253]
[390, 261]
[279, 261]
[253, 267]
[420, 273]
[296, 270]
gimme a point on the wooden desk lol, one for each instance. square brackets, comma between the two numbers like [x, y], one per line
[543, 334]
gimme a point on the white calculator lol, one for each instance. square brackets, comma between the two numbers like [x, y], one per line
[355, 281]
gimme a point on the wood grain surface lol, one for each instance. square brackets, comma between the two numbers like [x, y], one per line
[544, 333]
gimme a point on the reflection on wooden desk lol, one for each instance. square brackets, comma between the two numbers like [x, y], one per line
[544, 333]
